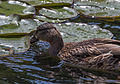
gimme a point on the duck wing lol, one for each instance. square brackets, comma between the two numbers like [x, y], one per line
[76, 51]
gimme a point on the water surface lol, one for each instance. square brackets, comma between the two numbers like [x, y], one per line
[19, 18]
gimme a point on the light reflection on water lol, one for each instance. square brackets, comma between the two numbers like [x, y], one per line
[23, 69]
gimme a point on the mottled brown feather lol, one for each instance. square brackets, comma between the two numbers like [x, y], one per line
[97, 53]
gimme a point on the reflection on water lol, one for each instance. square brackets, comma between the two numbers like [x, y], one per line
[23, 69]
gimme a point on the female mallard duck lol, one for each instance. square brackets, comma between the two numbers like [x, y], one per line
[99, 53]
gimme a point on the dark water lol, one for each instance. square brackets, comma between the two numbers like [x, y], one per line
[24, 68]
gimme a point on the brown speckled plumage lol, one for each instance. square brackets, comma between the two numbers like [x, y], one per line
[99, 53]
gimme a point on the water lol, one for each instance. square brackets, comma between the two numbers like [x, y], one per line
[24, 68]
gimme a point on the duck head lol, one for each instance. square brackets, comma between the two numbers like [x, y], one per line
[47, 32]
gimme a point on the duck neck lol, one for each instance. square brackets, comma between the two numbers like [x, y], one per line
[55, 46]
